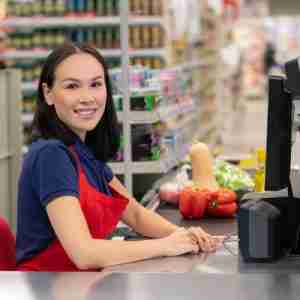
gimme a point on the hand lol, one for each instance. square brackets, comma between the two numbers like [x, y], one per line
[179, 242]
[206, 242]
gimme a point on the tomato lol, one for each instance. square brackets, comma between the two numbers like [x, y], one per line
[193, 202]
[222, 203]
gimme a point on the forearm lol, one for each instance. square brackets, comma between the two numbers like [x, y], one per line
[104, 253]
[151, 224]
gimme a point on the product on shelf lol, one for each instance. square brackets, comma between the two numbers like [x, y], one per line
[146, 37]
[146, 7]
[28, 8]
[145, 140]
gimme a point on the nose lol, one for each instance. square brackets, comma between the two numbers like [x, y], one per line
[86, 96]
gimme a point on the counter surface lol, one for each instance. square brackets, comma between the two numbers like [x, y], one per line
[224, 261]
[136, 286]
[206, 276]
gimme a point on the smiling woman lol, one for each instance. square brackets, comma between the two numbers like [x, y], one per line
[69, 201]
[78, 93]
[73, 78]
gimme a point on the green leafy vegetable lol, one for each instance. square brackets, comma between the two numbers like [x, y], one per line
[232, 177]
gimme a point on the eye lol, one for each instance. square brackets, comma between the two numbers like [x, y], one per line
[97, 84]
[71, 86]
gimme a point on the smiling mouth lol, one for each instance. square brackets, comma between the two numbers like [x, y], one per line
[85, 113]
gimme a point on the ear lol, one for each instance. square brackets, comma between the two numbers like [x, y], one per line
[47, 94]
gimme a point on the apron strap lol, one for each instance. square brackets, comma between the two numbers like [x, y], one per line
[75, 157]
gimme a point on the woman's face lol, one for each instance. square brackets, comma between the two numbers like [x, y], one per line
[78, 93]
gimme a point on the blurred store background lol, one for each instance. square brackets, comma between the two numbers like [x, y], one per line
[198, 72]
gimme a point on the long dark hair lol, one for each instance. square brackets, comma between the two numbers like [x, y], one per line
[104, 140]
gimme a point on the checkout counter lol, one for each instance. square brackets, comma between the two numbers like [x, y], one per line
[219, 275]
[205, 276]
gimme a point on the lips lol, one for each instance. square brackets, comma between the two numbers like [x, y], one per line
[85, 113]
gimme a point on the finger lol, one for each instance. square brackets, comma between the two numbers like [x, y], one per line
[210, 244]
[219, 237]
[198, 236]
[219, 240]
[201, 236]
[196, 249]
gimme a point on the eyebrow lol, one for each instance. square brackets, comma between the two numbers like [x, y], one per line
[77, 80]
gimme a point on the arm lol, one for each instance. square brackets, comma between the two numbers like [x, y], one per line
[149, 223]
[141, 219]
[70, 226]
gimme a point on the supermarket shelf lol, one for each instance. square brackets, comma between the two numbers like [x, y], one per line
[150, 52]
[145, 20]
[24, 149]
[189, 65]
[185, 123]
[27, 118]
[143, 117]
[145, 167]
[173, 110]
[58, 22]
[28, 87]
[117, 167]
[153, 167]
[40, 54]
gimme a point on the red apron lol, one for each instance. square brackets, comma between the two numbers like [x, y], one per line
[102, 214]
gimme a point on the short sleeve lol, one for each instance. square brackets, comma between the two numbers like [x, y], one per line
[54, 173]
[108, 173]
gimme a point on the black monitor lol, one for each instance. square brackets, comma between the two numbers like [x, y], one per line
[284, 98]
[279, 142]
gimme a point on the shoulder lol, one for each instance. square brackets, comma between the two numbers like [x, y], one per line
[50, 152]
[50, 168]
[50, 147]
[49, 144]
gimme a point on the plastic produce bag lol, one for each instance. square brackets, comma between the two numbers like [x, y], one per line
[232, 177]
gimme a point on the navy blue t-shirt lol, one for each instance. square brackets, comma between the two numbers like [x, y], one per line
[48, 172]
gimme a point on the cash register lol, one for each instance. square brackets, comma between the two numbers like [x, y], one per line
[268, 222]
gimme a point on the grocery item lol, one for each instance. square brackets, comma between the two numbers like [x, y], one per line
[202, 172]
[146, 142]
[193, 202]
[259, 177]
[169, 192]
[156, 7]
[222, 203]
[232, 177]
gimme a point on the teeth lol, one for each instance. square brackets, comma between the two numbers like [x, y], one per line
[85, 112]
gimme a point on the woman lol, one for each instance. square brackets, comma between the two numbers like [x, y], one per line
[69, 201]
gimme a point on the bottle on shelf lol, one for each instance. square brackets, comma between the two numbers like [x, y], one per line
[48, 8]
[101, 8]
[259, 178]
[156, 7]
[60, 8]
[90, 7]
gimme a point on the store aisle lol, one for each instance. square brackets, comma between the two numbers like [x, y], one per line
[245, 130]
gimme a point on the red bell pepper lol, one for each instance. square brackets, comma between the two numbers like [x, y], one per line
[193, 202]
[222, 203]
